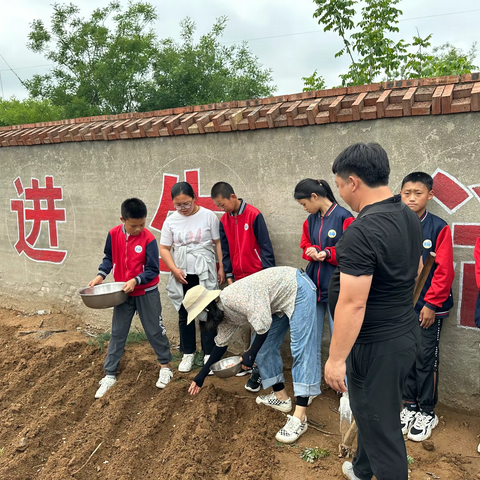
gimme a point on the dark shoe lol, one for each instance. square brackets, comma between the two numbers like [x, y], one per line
[254, 382]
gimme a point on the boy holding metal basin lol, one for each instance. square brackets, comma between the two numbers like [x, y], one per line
[131, 254]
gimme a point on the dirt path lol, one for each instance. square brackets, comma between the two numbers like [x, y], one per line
[50, 423]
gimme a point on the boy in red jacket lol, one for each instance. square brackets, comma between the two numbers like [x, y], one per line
[246, 246]
[420, 393]
[131, 253]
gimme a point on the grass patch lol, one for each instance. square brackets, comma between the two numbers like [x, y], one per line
[312, 454]
[135, 336]
[410, 460]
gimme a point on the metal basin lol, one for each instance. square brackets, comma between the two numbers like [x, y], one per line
[221, 370]
[105, 295]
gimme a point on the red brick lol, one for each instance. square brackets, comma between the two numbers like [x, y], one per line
[272, 114]
[394, 110]
[373, 87]
[261, 122]
[462, 91]
[300, 120]
[301, 96]
[369, 113]
[357, 106]
[437, 100]
[270, 100]
[447, 97]
[312, 112]
[186, 121]
[226, 127]
[407, 102]
[224, 105]
[475, 106]
[254, 102]
[397, 96]
[173, 122]
[292, 112]
[236, 118]
[470, 77]
[302, 108]
[413, 82]
[324, 105]
[348, 101]
[460, 105]
[421, 108]
[331, 92]
[178, 110]
[440, 80]
[345, 115]
[382, 103]
[144, 125]
[371, 98]
[178, 130]
[424, 94]
[204, 108]
[218, 119]
[253, 116]
[5, 129]
[243, 124]
[163, 113]
[193, 129]
[204, 120]
[335, 107]
[281, 121]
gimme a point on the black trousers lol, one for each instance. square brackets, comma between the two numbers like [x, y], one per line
[421, 384]
[188, 339]
[376, 375]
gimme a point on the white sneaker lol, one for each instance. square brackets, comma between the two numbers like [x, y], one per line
[105, 384]
[187, 362]
[407, 419]
[478, 449]
[347, 470]
[311, 398]
[271, 400]
[205, 360]
[164, 377]
[292, 430]
[423, 426]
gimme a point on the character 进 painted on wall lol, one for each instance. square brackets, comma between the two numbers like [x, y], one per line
[51, 214]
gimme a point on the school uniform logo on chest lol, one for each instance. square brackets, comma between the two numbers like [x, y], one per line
[332, 233]
[427, 243]
[138, 249]
[246, 227]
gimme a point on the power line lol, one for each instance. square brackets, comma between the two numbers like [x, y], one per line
[23, 68]
[15, 73]
[321, 31]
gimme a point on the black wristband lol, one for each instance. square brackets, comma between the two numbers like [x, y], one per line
[215, 356]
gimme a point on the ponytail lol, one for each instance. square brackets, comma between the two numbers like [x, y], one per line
[307, 187]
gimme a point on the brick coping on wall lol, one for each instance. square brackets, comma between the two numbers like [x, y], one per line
[402, 98]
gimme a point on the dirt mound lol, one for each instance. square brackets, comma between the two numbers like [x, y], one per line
[50, 424]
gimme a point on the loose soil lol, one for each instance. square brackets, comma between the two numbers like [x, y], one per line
[50, 423]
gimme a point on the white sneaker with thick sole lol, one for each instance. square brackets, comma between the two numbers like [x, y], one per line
[187, 362]
[422, 427]
[292, 430]
[311, 398]
[347, 470]
[205, 360]
[105, 384]
[407, 419]
[478, 448]
[164, 377]
[271, 400]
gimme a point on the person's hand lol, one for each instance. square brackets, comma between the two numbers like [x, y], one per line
[320, 256]
[427, 317]
[229, 281]
[129, 286]
[193, 389]
[335, 375]
[96, 281]
[179, 276]
[310, 252]
[221, 276]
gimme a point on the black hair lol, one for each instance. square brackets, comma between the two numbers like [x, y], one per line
[214, 317]
[419, 177]
[305, 188]
[369, 161]
[133, 208]
[222, 188]
[182, 187]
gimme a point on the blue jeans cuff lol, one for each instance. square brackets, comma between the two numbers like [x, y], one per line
[269, 382]
[303, 390]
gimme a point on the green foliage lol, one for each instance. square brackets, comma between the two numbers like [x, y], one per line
[195, 73]
[102, 65]
[312, 454]
[410, 460]
[314, 82]
[17, 112]
[373, 54]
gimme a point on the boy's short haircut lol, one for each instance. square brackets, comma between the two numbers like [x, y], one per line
[369, 161]
[419, 177]
[223, 189]
[133, 208]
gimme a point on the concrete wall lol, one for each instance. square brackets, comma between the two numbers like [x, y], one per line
[263, 166]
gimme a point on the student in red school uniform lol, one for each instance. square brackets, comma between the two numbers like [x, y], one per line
[420, 393]
[321, 231]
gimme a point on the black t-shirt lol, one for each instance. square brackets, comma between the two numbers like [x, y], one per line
[385, 241]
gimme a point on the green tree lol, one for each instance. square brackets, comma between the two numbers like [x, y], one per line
[17, 112]
[313, 82]
[373, 54]
[193, 72]
[102, 65]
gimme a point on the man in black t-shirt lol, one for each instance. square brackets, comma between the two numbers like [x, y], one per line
[375, 332]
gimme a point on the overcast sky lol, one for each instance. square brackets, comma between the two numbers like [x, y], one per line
[289, 56]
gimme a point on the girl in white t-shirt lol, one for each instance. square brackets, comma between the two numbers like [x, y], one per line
[190, 238]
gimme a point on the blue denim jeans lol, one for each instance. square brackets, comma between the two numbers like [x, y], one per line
[303, 344]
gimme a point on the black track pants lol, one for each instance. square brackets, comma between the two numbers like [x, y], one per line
[376, 376]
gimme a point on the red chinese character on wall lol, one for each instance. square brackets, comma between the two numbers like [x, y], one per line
[165, 205]
[44, 210]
